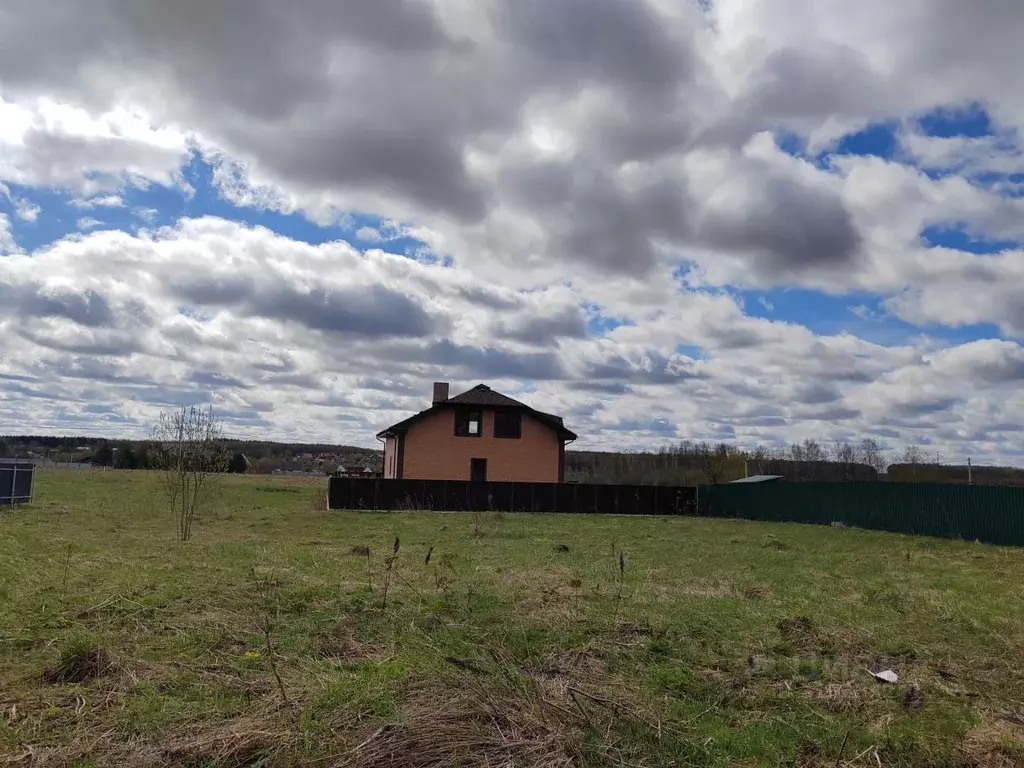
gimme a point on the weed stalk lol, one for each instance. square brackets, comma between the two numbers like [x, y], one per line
[387, 576]
[622, 578]
[66, 570]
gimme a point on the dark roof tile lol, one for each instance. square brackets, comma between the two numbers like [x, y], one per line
[481, 394]
[485, 397]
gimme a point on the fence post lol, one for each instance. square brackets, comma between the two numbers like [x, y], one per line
[14, 482]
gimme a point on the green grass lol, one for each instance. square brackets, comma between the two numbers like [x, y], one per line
[733, 643]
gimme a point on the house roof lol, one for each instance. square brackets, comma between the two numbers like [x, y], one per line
[485, 397]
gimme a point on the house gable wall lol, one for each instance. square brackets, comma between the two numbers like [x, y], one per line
[431, 451]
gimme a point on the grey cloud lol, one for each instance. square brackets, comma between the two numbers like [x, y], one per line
[1002, 370]
[497, 363]
[226, 291]
[653, 368]
[817, 393]
[788, 227]
[593, 221]
[302, 381]
[473, 362]
[87, 308]
[108, 344]
[424, 167]
[546, 329]
[486, 296]
[924, 407]
[762, 421]
[733, 337]
[216, 380]
[371, 311]
[621, 41]
[600, 387]
[831, 414]
[91, 369]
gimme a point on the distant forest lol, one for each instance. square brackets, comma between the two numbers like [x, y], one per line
[684, 463]
[263, 456]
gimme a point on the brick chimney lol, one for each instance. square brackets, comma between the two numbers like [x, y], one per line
[440, 392]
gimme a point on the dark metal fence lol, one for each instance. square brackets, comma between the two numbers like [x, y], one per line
[463, 496]
[991, 514]
[17, 479]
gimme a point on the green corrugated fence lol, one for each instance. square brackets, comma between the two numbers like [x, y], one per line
[992, 514]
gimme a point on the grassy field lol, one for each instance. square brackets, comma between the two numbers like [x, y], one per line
[505, 640]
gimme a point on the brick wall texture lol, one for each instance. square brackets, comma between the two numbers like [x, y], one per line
[433, 452]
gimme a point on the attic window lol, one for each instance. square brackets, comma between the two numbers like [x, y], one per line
[468, 423]
[508, 424]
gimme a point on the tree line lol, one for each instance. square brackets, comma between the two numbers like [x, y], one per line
[690, 462]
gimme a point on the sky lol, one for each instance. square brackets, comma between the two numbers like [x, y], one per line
[758, 221]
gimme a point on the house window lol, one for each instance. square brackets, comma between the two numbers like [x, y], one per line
[508, 424]
[468, 423]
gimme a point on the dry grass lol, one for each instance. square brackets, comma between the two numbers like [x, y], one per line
[843, 698]
[473, 727]
[997, 744]
[247, 740]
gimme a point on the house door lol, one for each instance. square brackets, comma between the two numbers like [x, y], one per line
[478, 470]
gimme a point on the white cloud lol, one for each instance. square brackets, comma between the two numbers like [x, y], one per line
[297, 340]
[624, 167]
[48, 143]
[102, 201]
[7, 243]
[88, 222]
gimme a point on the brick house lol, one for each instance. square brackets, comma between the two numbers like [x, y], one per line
[478, 435]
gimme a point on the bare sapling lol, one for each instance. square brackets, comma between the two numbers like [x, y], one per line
[266, 625]
[190, 456]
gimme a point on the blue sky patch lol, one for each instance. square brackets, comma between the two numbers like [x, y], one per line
[858, 313]
[159, 206]
[971, 121]
[877, 139]
[957, 239]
